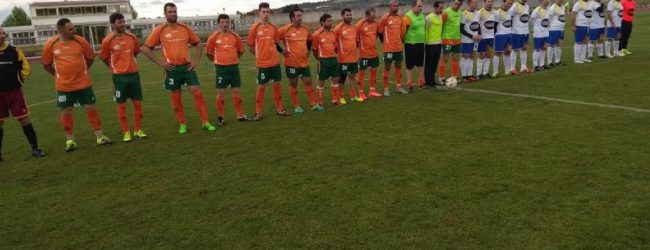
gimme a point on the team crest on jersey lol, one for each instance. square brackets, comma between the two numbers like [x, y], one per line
[630, 12]
[474, 26]
[524, 18]
[390, 22]
[57, 51]
[601, 14]
[116, 47]
[219, 41]
[293, 34]
[489, 24]
[545, 23]
[588, 13]
[620, 13]
[561, 18]
[260, 33]
[168, 35]
[323, 40]
[507, 23]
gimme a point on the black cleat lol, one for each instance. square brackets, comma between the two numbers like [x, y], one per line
[243, 118]
[220, 121]
[37, 152]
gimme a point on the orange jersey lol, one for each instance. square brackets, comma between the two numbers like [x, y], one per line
[264, 38]
[367, 38]
[225, 47]
[295, 41]
[120, 51]
[391, 27]
[174, 41]
[324, 42]
[69, 59]
[347, 35]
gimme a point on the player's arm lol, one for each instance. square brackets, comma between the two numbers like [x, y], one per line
[380, 29]
[209, 50]
[314, 44]
[198, 51]
[252, 35]
[147, 49]
[104, 53]
[574, 11]
[610, 8]
[406, 24]
[25, 69]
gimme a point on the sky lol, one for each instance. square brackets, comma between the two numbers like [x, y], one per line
[153, 8]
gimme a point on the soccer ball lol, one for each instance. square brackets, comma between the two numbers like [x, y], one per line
[451, 82]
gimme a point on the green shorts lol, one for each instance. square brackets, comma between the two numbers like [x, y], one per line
[329, 68]
[390, 57]
[348, 68]
[293, 73]
[451, 49]
[365, 63]
[75, 98]
[179, 76]
[127, 86]
[227, 75]
[265, 75]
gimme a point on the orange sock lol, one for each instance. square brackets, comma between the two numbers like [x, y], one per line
[137, 114]
[177, 103]
[373, 78]
[293, 92]
[236, 100]
[310, 94]
[277, 97]
[386, 72]
[121, 116]
[398, 76]
[351, 90]
[259, 99]
[335, 92]
[199, 104]
[442, 68]
[220, 105]
[320, 95]
[342, 90]
[454, 67]
[93, 118]
[360, 78]
[67, 122]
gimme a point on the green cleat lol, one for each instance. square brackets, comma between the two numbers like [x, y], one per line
[357, 99]
[207, 126]
[182, 129]
[104, 140]
[342, 101]
[70, 145]
[318, 108]
[140, 134]
[127, 137]
[627, 52]
[298, 110]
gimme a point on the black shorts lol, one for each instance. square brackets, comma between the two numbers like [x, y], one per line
[414, 55]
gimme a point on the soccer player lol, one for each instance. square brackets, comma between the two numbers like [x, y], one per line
[541, 24]
[614, 15]
[596, 30]
[503, 39]
[14, 70]
[433, 40]
[324, 46]
[451, 40]
[556, 33]
[296, 38]
[368, 58]
[348, 56]
[488, 27]
[263, 43]
[173, 37]
[626, 25]
[390, 30]
[413, 29]
[224, 48]
[68, 57]
[118, 52]
[520, 30]
[581, 13]
[470, 27]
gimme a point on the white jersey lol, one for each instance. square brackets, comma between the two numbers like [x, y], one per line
[470, 20]
[598, 19]
[520, 18]
[487, 23]
[541, 22]
[504, 20]
[557, 15]
[616, 10]
[583, 12]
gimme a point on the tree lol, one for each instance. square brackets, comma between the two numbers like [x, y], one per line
[134, 13]
[18, 17]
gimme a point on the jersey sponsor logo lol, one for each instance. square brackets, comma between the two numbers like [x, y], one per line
[488, 24]
[588, 13]
[630, 12]
[219, 41]
[168, 35]
[293, 34]
[474, 26]
[260, 33]
[524, 18]
[323, 40]
[620, 13]
[116, 47]
[507, 23]
[601, 14]
[545, 23]
[561, 18]
[57, 51]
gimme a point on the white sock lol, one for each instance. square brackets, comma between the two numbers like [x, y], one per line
[616, 47]
[558, 54]
[524, 59]
[470, 67]
[486, 66]
[583, 52]
[599, 47]
[495, 64]
[542, 57]
[535, 58]
[513, 60]
[549, 54]
[479, 66]
[576, 52]
[608, 45]
[463, 67]
[590, 50]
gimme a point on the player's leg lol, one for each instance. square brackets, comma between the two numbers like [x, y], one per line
[173, 83]
[419, 64]
[262, 80]
[398, 74]
[86, 97]
[307, 82]
[363, 66]
[523, 54]
[617, 41]
[120, 83]
[14, 101]
[342, 78]
[489, 48]
[293, 74]
[134, 92]
[442, 65]
[192, 81]
[465, 61]
[409, 57]
[388, 61]
[220, 101]
[236, 101]
[542, 58]
[353, 70]
[429, 70]
[223, 80]
[600, 42]
[65, 102]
